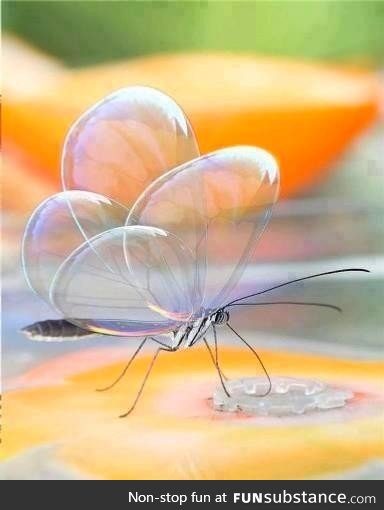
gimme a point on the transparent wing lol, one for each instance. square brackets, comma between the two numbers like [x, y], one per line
[218, 205]
[124, 142]
[58, 226]
[129, 281]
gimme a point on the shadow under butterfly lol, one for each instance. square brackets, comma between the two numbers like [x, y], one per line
[149, 239]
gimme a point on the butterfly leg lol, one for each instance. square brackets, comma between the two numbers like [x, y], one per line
[166, 347]
[144, 381]
[217, 368]
[258, 358]
[217, 352]
[141, 345]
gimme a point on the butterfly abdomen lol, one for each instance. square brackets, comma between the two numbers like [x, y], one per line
[55, 331]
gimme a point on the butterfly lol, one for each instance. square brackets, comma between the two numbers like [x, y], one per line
[148, 238]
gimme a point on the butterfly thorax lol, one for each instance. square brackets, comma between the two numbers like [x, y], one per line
[190, 333]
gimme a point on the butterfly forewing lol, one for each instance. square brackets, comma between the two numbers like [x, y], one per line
[218, 205]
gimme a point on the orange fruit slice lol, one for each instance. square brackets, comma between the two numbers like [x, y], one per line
[304, 113]
[174, 432]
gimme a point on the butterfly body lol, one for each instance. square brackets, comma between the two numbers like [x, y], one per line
[185, 336]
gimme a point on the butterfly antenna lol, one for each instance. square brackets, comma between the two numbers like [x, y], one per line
[297, 280]
[301, 303]
[217, 368]
[141, 389]
[258, 358]
[125, 368]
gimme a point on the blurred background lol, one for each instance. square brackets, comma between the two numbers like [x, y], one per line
[302, 79]
[105, 31]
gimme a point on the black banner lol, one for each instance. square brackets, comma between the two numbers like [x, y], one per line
[189, 494]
